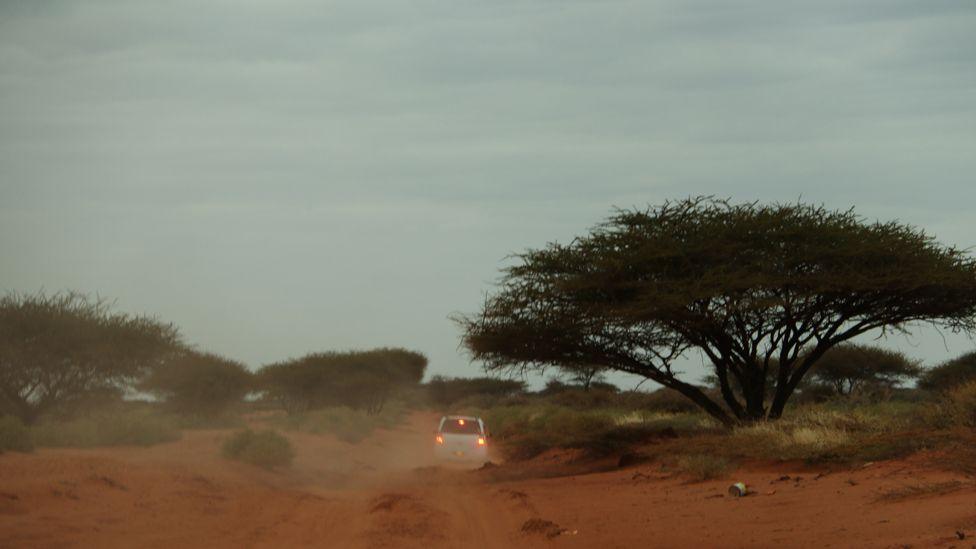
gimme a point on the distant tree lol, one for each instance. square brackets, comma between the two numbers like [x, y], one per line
[443, 391]
[556, 385]
[358, 379]
[849, 369]
[950, 374]
[58, 349]
[199, 383]
[585, 375]
[746, 285]
[576, 395]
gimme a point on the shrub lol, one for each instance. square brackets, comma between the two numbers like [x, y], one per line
[701, 467]
[267, 449]
[782, 441]
[14, 435]
[677, 422]
[837, 432]
[123, 428]
[526, 431]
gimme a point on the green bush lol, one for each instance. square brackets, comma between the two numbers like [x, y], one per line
[14, 435]
[267, 449]
[133, 427]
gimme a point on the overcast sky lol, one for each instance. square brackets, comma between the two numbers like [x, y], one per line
[286, 176]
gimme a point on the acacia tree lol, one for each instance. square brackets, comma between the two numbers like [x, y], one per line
[849, 369]
[199, 383]
[56, 349]
[358, 379]
[762, 291]
[584, 375]
[950, 374]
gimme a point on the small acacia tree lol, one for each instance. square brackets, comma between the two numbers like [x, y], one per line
[199, 383]
[57, 349]
[358, 379]
[585, 375]
[763, 291]
[849, 369]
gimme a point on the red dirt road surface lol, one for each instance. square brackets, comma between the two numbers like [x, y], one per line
[388, 491]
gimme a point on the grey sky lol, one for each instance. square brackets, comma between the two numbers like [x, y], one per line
[281, 177]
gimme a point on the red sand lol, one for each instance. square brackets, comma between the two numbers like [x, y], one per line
[386, 492]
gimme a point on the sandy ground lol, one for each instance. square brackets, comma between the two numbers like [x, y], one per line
[389, 492]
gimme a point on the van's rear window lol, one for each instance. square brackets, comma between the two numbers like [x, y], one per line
[460, 427]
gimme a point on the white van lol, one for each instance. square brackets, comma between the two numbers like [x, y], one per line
[461, 438]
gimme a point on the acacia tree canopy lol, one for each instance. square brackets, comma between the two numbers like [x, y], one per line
[55, 349]
[199, 383]
[851, 368]
[358, 379]
[950, 374]
[763, 291]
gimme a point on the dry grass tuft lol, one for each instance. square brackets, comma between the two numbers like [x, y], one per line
[541, 526]
[701, 467]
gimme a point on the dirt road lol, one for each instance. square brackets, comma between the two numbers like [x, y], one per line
[388, 492]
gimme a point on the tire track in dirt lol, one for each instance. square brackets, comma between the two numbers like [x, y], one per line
[467, 515]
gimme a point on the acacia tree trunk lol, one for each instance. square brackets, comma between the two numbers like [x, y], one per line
[754, 392]
[783, 393]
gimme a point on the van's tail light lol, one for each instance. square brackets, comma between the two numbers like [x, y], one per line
[481, 441]
[439, 439]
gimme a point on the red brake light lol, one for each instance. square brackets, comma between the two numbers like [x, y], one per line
[460, 422]
[481, 441]
[439, 439]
